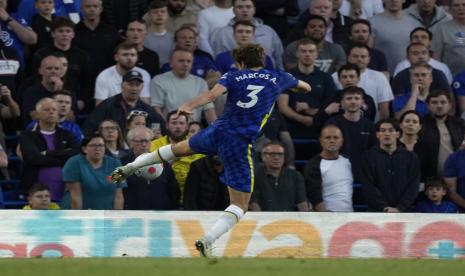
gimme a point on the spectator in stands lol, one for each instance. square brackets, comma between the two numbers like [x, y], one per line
[64, 100]
[45, 149]
[203, 64]
[97, 38]
[373, 82]
[393, 40]
[458, 87]
[337, 25]
[115, 145]
[448, 38]
[222, 39]
[331, 56]
[244, 34]
[66, 8]
[328, 175]
[276, 13]
[179, 15]
[358, 132]
[277, 188]
[435, 191]
[216, 16]
[361, 8]
[171, 89]
[391, 175]
[194, 128]
[136, 118]
[415, 97]
[15, 32]
[441, 135]
[86, 178]
[12, 72]
[160, 194]
[51, 72]
[39, 198]
[348, 75]
[9, 109]
[196, 6]
[361, 33]
[41, 23]
[108, 82]
[146, 58]
[298, 108]
[120, 105]
[177, 130]
[159, 39]
[454, 175]
[204, 190]
[410, 124]
[3, 161]
[418, 54]
[428, 13]
[78, 60]
[119, 13]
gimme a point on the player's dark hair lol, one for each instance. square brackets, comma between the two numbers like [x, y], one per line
[391, 121]
[61, 21]
[361, 21]
[437, 93]
[352, 90]
[250, 55]
[243, 23]
[423, 29]
[348, 67]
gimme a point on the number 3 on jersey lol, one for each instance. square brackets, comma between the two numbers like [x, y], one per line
[255, 89]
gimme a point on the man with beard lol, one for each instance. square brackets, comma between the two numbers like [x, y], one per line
[179, 15]
[441, 134]
[109, 80]
[177, 130]
[391, 175]
[119, 106]
[331, 56]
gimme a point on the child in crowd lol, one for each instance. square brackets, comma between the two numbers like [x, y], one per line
[39, 199]
[435, 190]
[41, 22]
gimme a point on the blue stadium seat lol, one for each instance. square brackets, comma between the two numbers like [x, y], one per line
[10, 194]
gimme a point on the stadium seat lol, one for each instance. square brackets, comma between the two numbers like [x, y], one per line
[10, 194]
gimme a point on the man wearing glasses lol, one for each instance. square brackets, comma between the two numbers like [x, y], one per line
[277, 188]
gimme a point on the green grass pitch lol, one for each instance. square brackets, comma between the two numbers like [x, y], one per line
[226, 267]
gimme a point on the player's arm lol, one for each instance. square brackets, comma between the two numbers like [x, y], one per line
[302, 86]
[202, 99]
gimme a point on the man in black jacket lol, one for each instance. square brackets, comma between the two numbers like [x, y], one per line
[441, 134]
[391, 175]
[120, 105]
[45, 149]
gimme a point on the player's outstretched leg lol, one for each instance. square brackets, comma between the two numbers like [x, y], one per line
[228, 219]
[164, 153]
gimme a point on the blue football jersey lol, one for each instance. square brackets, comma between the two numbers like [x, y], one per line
[251, 97]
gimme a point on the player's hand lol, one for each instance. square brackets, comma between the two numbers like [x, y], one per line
[184, 109]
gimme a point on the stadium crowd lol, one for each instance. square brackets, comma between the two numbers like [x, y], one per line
[88, 85]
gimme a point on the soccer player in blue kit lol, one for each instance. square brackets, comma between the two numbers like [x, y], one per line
[252, 92]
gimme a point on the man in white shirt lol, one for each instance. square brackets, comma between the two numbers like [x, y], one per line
[373, 82]
[109, 80]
